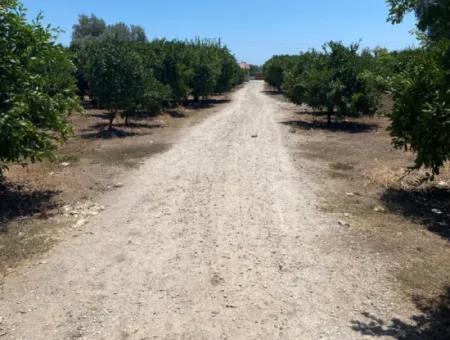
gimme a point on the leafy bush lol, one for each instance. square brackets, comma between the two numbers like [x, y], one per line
[37, 88]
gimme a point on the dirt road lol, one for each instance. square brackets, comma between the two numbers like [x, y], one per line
[217, 238]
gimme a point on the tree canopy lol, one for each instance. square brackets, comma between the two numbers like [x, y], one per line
[421, 115]
[337, 79]
[123, 71]
[37, 88]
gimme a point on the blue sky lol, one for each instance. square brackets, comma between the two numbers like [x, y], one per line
[253, 29]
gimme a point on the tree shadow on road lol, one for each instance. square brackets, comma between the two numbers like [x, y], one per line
[176, 114]
[433, 323]
[206, 103]
[273, 93]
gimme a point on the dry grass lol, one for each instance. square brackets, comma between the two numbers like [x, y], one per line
[393, 212]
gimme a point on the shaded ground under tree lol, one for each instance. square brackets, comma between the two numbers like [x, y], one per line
[432, 324]
[428, 206]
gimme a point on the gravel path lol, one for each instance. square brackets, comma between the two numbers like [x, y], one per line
[217, 238]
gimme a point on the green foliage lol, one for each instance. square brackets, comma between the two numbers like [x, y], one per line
[88, 26]
[255, 70]
[433, 17]
[231, 74]
[119, 79]
[37, 88]
[207, 68]
[275, 68]
[170, 62]
[336, 78]
[421, 115]
[125, 72]
[421, 88]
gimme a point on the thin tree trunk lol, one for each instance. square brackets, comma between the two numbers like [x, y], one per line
[111, 120]
[330, 112]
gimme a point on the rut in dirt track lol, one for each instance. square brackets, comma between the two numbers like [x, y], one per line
[217, 238]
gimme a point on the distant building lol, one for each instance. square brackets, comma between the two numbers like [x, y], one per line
[243, 65]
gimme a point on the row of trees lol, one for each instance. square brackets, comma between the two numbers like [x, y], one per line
[124, 72]
[338, 79]
[346, 81]
[41, 82]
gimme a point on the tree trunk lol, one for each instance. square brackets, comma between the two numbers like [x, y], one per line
[111, 120]
[126, 118]
[330, 113]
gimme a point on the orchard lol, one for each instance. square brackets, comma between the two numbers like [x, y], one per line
[42, 82]
[343, 80]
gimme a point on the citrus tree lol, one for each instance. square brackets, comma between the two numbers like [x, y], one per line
[338, 79]
[275, 69]
[123, 72]
[119, 80]
[37, 88]
[421, 115]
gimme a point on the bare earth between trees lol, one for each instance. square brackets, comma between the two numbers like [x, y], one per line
[260, 222]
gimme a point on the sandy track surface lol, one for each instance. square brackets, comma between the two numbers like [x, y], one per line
[217, 238]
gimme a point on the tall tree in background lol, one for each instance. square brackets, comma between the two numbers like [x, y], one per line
[433, 16]
[84, 34]
[37, 88]
[88, 26]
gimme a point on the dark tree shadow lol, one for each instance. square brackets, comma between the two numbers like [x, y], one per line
[118, 130]
[103, 115]
[272, 93]
[130, 125]
[432, 324]
[176, 114]
[430, 207]
[17, 202]
[109, 134]
[137, 115]
[205, 103]
[141, 115]
[138, 124]
[344, 126]
[312, 113]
